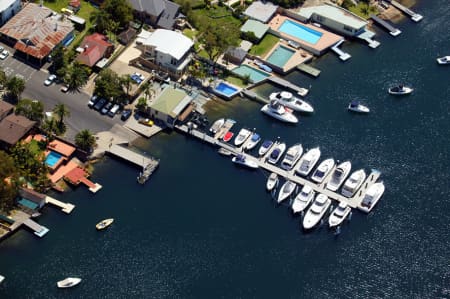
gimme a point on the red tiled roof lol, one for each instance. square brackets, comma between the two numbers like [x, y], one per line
[95, 47]
[75, 3]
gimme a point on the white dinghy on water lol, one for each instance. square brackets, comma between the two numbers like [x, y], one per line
[286, 190]
[443, 60]
[272, 181]
[68, 282]
[356, 106]
[400, 90]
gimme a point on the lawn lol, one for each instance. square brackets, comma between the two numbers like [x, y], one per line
[215, 16]
[236, 81]
[265, 45]
[363, 11]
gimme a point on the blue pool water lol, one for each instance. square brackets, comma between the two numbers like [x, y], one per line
[280, 56]
[255, 74]
[226, 89]
[300, 32]
[52, 158]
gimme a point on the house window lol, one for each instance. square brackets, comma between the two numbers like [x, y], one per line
[173, 61]
[347, 28]
[319, 18]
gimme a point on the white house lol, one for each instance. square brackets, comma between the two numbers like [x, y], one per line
[8, 8]
[167, 49]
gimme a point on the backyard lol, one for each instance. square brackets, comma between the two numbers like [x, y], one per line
[265, 45]
[363, 10]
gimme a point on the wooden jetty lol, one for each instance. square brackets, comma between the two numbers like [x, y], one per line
[284, 83]
[148, 164]
[342, 55]
[306, 68]
[414, 16]
[65, 207]
[392, 30]
[354, 202]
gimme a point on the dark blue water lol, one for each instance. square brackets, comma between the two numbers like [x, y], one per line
[204, 228]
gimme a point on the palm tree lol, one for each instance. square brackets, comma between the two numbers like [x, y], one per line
[15, 86]
[127, 84]
[76, 77]
[85, 140]
[148, 92]
[61, 111]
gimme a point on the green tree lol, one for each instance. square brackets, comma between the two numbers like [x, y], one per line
[108, 85]
[61, 111]
[50, 129]
[8, 181]
[127, 84]
[120, 11]
[76, 77]
[3, 79]
[142, 105]
[15, 87]
[85, 140]
[31, 109]
[58, 58]
[217, 39]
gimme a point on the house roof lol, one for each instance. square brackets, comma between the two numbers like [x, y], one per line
[95, 47]
[335, 13]
[261, 11]
[171, 101]
[169, 15]
[31, 195]
[169, 42]
[127, 35]
[61, 147]
[258, 28]
[75, 3]
[14, 127]
[37, 30]
[237, 53]
[152, 7]
[5, 107]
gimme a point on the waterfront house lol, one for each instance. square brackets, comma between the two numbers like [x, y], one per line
[261, 11]
[93, 48]
[8, 8]
[35, 31]
[31, 199]
[157, 13]
[5, 109]
[13, 128]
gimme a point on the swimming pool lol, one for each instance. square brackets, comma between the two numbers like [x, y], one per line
[52, 158]
[255, 74]
[301, 32]
[280, 56]
[226, 89]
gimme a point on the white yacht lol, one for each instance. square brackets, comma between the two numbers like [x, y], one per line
[373, 194]
[353, 183]
[286, 190]
[356, 106]
[68, 282]
[339, 214]
[276, 153]
[253, 141]
[323, 170]
[292, 156]
[242, 136]
[278, 111]
[338, 176]
[443, 60]
[308, 161]
[265, 147]
[400, 90]
[242, 160]
[316, 211]
[2, 278]
[272, 181]
[302, 199]
[217, 125]
[287, 99]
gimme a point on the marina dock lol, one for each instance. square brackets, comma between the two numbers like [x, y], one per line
[65, 207]
[414, 16]
[148, 164]
[392, 30]
[284, 83]
[354, 202]
[252, 95]
[306, 68]
[39, 230]
[342, 55]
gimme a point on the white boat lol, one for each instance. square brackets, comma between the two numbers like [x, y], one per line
[272, 181]
[373, 194]
[308, 161]
[356, 106]
[353, 183]
[2, 278]
[443, 60]
[302, 199]
[339, 214]
[265, 147]
[400, 90]
[68, 282]
[224, 151]
[286, 190]
[292, 156]
[242, 160]
[253, 141]
[316, 211]
[338, 176]
[276, 153]
[287, 99]
[242, 136]
[278, 111]
[217, 125]
[104, 224]
[323, 170]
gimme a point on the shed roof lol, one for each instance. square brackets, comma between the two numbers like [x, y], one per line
[169, 42]
[13, 127]
[261, 11]
[335, 13]
[171, 101]
[257, 27]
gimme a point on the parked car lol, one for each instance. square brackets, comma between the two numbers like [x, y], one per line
[126, 114]
[106, 108]
[92, 101]
[1, 49]
[50, 80]
[113, 110]
[99, 105]
[4, 54]
[64, 88]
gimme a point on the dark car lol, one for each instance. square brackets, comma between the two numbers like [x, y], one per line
[99, 105]
[106, 108]
[126, 114]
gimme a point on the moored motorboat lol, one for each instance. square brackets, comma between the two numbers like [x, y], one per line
[287, 99]
[353, 183]
[308, 161]
[280, 112]
[242, 136]
[272, 181]
[302, 199]
[292, 156]
[217, 125]
[2, 278]
[243, 160]
[338, 176]
[323, 170]
[265, 147]
[253, 141]
[276, 153]
[356, 106]
[228, 135]
[286, 190]
[68, 282]
[443, 60]
[373, 194]
[104, 223]
[339, 214]
[316, 211]
[224, 151]
[400, 90]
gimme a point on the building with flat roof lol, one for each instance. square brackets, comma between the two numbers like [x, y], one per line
[8, 8]
[258, 28]
[261, 11]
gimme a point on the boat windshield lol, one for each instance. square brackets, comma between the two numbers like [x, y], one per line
[275, 153]
[267, 143]
[354, 104]
[338, 173]
[320, 173]
[255, 137]
[288, 187]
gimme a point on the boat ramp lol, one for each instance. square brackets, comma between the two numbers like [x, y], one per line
[392, 30]
[354, 202]
[342, 55]
[414, 16]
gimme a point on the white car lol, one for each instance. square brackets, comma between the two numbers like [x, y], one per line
[4, 54]
[50, 80]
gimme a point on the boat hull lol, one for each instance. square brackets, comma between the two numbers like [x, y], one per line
[272, 182]
[248, 163]
[104, 224]
[405, 91]
[287, 117]
[68, 282]
[311, 220]
[335, 220]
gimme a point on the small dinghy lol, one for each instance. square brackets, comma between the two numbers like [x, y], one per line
[356, 106]
[272, 181]
[104, 224]
[443, 60]
[68, 282]
[228, 135]
[400, 90]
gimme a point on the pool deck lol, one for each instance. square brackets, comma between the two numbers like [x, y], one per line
[299, 56]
